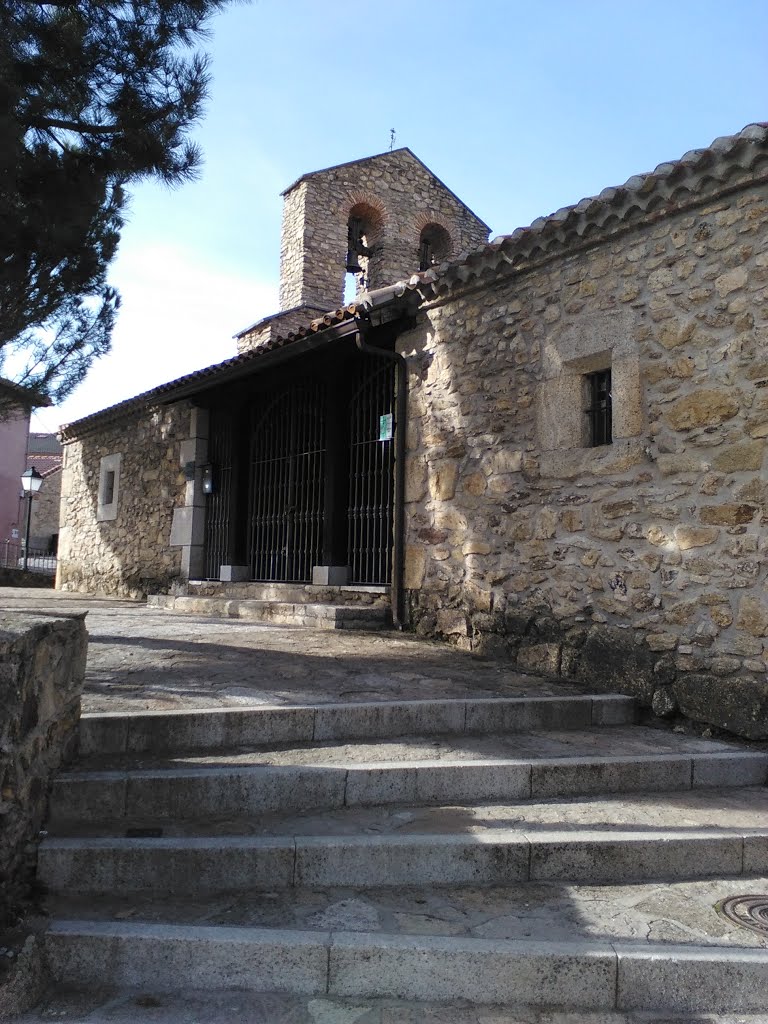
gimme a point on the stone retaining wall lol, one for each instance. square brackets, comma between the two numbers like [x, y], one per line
[42, 667]
[638, 566]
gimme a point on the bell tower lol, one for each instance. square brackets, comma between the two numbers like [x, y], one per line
[369, 223]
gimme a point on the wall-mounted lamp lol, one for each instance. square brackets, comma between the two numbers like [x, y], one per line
[207, 478]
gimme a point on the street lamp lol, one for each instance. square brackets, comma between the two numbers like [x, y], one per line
[30, 485]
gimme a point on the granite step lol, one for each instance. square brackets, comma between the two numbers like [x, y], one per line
[200, 865]
[316, 615]
[220, 728]
[420, 770]
[588, 974]
[530, 852]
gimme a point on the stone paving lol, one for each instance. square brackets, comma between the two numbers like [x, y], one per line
[677, 912]
[142, 659]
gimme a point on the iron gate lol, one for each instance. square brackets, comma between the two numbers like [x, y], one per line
[370, 477]
[218, 519]
[287, 471]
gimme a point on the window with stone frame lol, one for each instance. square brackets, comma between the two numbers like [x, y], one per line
[589, 399]
[109, 487]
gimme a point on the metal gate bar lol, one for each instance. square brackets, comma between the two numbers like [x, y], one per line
[370, 482]
[218, 517]
[286, 488]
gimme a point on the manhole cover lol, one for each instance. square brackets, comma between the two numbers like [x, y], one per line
[748, 911]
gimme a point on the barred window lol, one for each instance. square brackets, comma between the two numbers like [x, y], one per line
[599, 411]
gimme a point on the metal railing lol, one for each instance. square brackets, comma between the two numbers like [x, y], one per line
[38, 559]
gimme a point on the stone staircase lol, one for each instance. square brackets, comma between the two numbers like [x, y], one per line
[496, 860]
[282, 604]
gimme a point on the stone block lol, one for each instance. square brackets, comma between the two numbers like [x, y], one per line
[689, 979]
[611, 662]
[572, 776]
[96, 796]
[196, 792]
[185, 866]
[411, 860]
[756, 853]
[730, 769]
[208, 729]
[614, 710]
[446, 783]
[169, 958]
[415, 566]
[386, 719]
[688, 537]
[330, 575]
[706, 407]
[524, 714]
[187, 527]
[740, 705]
[618, 857]
[752, 616]
[235, 573]
[577, 975]
[544, 658]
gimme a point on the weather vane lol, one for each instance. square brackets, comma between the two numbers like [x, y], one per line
[391, 139]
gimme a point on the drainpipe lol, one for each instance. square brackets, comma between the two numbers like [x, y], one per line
[363, 321]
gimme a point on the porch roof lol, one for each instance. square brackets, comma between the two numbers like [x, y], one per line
[317, 332]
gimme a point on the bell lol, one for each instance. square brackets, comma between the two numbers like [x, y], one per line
[353, 264]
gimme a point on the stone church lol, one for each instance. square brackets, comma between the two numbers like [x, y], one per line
[549, 447]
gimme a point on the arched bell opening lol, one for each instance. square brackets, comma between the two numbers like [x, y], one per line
[364, 229]
[434, 246]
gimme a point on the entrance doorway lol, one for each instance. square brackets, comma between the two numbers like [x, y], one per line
[304, 471]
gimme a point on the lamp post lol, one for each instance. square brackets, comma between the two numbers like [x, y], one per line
[30, 485]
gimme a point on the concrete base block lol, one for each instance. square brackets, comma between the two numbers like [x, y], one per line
[234, 573]
[330, 575]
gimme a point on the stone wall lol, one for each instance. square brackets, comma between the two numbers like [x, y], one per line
[124, 548]
[46, 506]
[395, 195]
[42, 666]
[639, 566]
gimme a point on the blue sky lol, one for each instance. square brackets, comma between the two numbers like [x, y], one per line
[520, 107]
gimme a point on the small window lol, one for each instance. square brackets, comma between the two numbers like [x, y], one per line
[599, 411]
[109, 488]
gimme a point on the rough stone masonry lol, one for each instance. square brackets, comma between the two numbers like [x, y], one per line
[638, 565]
